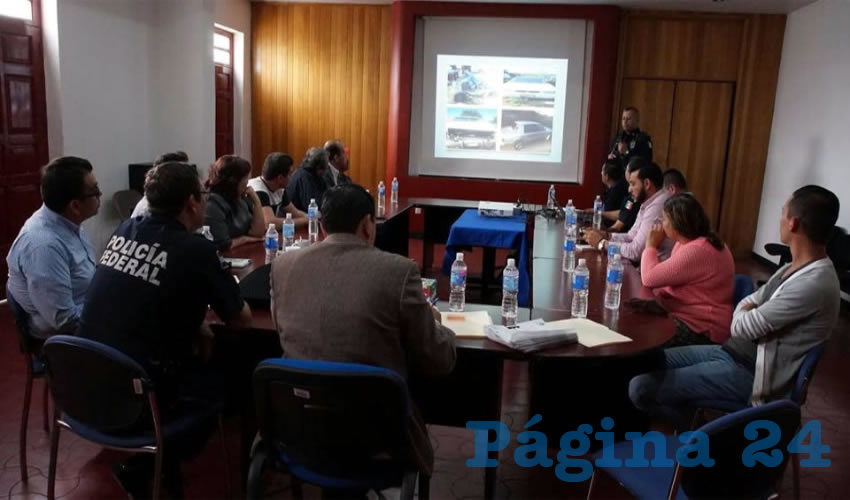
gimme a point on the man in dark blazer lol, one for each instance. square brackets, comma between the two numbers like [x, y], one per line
[337, 164]
[344, 300]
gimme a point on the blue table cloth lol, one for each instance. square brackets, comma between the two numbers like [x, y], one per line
[471, 229]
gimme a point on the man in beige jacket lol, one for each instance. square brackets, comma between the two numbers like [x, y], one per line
[344, 300]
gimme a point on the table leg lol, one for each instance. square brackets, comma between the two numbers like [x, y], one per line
[488, 269]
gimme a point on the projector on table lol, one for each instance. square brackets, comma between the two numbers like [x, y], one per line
[495, 209]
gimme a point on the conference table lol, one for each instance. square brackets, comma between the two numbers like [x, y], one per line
[569, 385]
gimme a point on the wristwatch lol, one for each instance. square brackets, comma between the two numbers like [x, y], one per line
[601, 245]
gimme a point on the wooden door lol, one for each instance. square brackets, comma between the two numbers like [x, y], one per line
[699, 139]
[223, 52]
[23, 129]
[654, 100]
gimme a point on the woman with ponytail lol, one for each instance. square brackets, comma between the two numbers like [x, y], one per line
[695, 285]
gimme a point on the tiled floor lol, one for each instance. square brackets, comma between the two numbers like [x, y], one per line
[84, 469]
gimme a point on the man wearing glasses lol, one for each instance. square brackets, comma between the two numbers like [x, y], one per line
[51, 261]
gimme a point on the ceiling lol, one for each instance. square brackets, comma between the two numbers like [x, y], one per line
[750, 6]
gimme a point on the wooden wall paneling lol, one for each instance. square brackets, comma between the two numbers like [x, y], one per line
[682, 47]
[654, 99]
[752, 118]
[321, 72]
[698, 140]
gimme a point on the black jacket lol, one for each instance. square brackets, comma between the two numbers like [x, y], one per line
[304, 185]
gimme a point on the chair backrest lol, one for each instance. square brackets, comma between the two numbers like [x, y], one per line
[743, 287]
[805, 374]
[327, 415]
[729, 477]
[95, 384]
[779, 250]
[125, 201]
[27, 343]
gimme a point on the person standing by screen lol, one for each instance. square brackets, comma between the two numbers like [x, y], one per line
[631, 141]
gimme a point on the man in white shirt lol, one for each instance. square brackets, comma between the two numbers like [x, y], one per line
[270, 189]
[141, 208]
[337, 164]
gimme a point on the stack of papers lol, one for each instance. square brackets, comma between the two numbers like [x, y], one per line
[530, 336]
[590, 333]
[467, 324]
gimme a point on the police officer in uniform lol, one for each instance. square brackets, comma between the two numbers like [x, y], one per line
[149, 299]
[631, 141]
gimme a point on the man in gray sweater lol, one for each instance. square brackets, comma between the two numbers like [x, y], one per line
[772, 330]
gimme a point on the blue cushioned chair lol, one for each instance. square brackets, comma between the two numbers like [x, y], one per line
[31, 349]
[799, 391]
[743, 287]
[728, 478]
[99, 392]
[340, 426]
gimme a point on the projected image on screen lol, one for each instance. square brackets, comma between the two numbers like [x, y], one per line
[501, 108]
[473, 85]
[471, 128]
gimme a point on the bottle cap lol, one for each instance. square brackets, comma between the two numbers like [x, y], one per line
[312, 200]
[271, 226]
[581, 262]
[459, 256]
[570, 201]
[511, 262]
[288, 216]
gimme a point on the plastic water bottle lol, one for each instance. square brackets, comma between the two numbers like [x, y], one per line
[313, 221]
[570, 237]
[551, 200]
[394, 192]
[457, 295]
[597, 213]
[382, 198]
[272, 243]
[614, 246]
[570, 218]
[510, 290]
[581, 283]
[614, 282]
[288, 228]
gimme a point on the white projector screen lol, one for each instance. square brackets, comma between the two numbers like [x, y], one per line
[499, 98]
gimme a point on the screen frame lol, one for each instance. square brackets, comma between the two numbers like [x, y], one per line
[603, 68]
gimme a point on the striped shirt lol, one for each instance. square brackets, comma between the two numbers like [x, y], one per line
[51, 264]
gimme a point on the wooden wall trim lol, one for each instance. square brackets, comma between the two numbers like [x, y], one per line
[603, 71]
[758, 75]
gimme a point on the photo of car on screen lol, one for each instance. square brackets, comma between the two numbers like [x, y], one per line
[528, 89]
[469, 84]
[470, 128]
[526, 130]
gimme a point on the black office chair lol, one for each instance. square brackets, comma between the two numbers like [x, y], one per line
[99, 392]
[339, 426]
[31, 349]
[838, 250]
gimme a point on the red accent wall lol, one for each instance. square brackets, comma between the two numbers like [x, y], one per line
[603, 68]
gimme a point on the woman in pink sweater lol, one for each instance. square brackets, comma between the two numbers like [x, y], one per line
[695, 285]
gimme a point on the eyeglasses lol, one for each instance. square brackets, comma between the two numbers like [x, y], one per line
[93, 194]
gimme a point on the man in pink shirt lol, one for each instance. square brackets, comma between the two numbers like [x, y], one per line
[646, 186]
